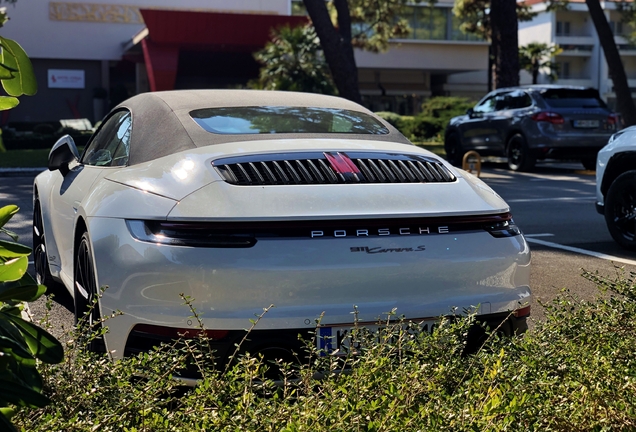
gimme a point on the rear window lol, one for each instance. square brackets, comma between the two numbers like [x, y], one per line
[281, 120]
[573, 98]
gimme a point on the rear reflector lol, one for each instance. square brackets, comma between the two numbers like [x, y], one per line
[523, 312]
[178, 333]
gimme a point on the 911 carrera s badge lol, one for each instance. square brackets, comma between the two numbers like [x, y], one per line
[376, 250]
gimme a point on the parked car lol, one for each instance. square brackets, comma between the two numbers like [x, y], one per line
[244, 199]
[616, 186]
[533, 122]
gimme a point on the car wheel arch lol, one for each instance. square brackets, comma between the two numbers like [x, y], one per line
[617, 165]
[510, 134]
[80, 228]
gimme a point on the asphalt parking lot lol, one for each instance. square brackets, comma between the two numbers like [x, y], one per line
[554, 206]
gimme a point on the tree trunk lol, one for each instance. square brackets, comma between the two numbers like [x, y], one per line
[535, 74]
[624, 101]
[336, 44]
[504, 27]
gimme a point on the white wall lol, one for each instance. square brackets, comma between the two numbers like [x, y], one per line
[441, 56]
[540, 29]
[43, 37]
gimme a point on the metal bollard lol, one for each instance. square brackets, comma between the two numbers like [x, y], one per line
[472, 162]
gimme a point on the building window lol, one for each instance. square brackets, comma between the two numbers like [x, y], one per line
[563, 28]
[426, 22]
[617, 28]
[564, 70]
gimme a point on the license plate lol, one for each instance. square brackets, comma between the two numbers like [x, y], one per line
[347, 339]
[586, 124]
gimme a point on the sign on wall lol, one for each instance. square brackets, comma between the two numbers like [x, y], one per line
[66, 78]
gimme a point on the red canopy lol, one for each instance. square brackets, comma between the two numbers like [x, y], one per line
[170, 30]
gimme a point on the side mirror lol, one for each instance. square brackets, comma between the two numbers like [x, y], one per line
[62, 154]
[470, 112]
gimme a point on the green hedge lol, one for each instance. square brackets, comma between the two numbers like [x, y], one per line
[433, 119]
[575, 372]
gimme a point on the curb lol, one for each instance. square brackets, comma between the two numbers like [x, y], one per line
[20, 172]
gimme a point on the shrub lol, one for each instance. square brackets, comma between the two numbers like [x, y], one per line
[432, 121]
[402, 123]
[576, 371]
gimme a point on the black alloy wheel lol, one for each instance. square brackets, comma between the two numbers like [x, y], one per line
[40, 258]
[453, 149]
[87, 313]
[620, 210]
[520, 158]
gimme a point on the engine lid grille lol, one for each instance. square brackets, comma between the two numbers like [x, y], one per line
[331, 168]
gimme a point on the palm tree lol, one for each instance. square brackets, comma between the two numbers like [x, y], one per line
[536, 56]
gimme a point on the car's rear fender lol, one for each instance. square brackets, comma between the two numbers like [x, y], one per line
[418, 276]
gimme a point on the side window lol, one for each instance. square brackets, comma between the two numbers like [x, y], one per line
[111, 145]
[486, 106]
[519, 99]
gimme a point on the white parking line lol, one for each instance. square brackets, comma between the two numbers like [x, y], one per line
[580, 198]
[581, 251]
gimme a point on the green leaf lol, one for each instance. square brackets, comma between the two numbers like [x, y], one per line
[6, 72]
[11, 234]
[8, 102]
[13, 269]
[13, 250]
[14, 57]
[41, 343]
[5, 423]
[15, 348]
[19, 394]
[7, 212]
[26, 293]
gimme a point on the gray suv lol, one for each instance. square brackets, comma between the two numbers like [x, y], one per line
[533, 122]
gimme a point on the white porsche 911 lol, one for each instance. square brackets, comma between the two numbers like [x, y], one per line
[244, 199]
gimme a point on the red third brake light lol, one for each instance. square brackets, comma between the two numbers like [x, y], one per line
[549, 117]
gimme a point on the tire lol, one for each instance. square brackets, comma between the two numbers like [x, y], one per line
[87, 312]
[620, 210]
[453, 148]
[520, 157]
[589, 163]
[40, 258]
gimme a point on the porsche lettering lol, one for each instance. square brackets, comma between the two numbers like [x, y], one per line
[379, 232]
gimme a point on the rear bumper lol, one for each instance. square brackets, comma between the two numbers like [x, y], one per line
[293, 343]
[417, 276]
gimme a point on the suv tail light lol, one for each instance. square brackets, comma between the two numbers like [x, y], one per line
[549, 117]
[612, 121]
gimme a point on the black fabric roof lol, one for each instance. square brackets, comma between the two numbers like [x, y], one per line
[162, 124]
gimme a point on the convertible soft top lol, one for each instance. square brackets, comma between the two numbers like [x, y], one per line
[162, 125]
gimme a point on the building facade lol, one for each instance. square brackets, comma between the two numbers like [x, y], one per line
[89, 56]
[582, 62]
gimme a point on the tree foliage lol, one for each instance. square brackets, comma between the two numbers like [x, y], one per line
[497, 23]
[536, 56]
[294, 61]
[624, 102]
[16, 71]
[342, 25]
[22, 343]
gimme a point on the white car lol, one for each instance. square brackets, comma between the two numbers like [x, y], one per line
[616, 186]
[246, 199]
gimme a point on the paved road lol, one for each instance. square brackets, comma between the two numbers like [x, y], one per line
[554, 206]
